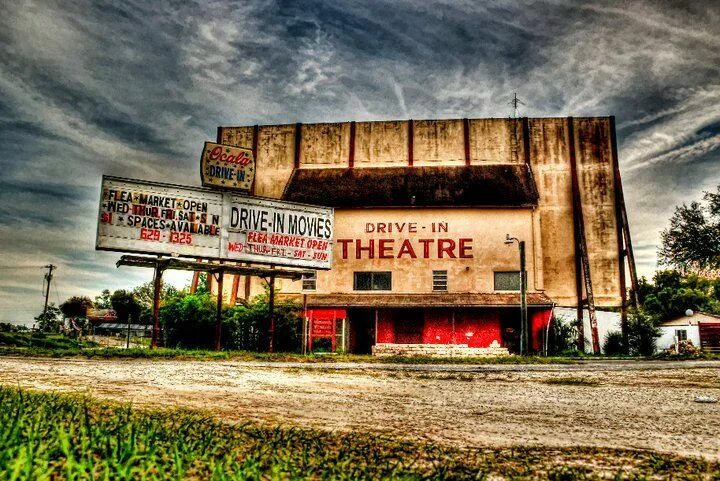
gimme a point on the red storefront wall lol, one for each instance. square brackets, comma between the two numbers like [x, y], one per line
[474, 327]
[539, 320]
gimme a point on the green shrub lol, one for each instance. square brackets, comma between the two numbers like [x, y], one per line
[642, 334]
[248, 325]
[563, 336]
[614, 344]
[189, 320]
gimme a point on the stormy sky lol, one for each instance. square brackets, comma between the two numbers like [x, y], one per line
[134, 88]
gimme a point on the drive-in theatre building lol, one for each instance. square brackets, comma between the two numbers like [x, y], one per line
[422, 210]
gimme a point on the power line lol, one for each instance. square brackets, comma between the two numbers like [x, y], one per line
[18, 266]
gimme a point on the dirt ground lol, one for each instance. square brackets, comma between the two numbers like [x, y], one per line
[594, 405]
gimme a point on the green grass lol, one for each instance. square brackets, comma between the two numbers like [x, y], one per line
[209, 355]
[41, 340]
[66, 437]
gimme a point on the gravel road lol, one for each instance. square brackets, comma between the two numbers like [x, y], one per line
[640, 405]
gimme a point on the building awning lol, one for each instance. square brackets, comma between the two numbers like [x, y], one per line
[469, 186]
[427, 300]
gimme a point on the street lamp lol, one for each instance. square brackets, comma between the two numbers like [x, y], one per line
[524, 331]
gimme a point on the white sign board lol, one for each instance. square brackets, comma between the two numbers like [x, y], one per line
[152, 218]
[294, 235]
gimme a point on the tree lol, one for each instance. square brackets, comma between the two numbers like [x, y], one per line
[692, 242]
[642, 334]
[144, 293]
[76, 306]
[248, 325]
[51, 320]
[103, 300]
[124, 304]
[672, 294]
[189, 321]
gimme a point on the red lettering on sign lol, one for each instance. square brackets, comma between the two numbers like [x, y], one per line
[446, 246]
[385, 248]
[344, 243]
[407, 248]
[241, 158]
[359, 249]
[466, 248]
[426, 247]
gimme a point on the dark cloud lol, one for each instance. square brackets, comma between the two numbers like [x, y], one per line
[133, 88]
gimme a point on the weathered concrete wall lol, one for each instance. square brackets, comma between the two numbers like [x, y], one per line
[381, 144]
[443, 142]
[549, 155]
[484, 229]
[438, 142]
[597, 192]
[496, 141]
[325, 145]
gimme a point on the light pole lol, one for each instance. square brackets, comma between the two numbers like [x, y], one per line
[524, 330]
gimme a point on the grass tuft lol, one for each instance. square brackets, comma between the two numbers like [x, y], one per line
[572, 381]
[47, 436]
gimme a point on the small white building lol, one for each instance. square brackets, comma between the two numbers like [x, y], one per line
[702, 329]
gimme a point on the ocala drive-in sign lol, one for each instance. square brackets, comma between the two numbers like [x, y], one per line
[154, 218]
[227, 167]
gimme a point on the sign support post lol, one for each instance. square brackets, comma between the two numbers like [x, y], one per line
[156, 305]
[218, 313]
[271, 314]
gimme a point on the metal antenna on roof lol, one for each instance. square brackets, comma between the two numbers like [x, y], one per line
[515, 102]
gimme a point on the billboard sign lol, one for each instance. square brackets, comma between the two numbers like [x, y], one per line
[263, 230]
[146, 217]
[154, 218]
[227, 167]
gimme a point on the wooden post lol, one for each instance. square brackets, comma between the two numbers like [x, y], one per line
[157, 286]
[619, 229]
[304, 325]
[218, 312]
[581, 249]
[271, 315]
[576, 234]
[234, 290]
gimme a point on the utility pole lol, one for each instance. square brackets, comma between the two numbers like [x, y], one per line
[48, 279]
[523, 301]
[524, 327]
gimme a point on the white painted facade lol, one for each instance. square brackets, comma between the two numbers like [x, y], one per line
[608, 321]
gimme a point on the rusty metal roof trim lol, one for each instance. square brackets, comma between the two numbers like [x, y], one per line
[166, 263]
[492, 185]
[428, 300]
